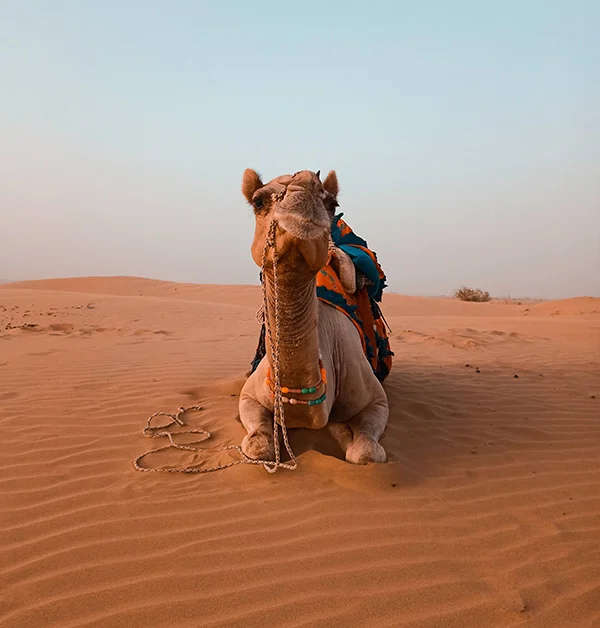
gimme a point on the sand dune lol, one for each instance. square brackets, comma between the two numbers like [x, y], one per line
[487, 515]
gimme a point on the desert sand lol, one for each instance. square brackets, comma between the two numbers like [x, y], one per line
[486, 515]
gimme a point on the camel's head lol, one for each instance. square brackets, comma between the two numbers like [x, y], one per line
[303, 208]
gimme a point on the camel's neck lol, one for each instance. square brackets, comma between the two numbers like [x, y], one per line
[299, 339]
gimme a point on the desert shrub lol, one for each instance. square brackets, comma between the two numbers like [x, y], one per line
[472, 294]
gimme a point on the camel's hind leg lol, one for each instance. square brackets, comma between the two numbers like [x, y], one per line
[367, 428]
[342, 432]
[258, 421]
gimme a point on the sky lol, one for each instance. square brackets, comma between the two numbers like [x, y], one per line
[465, 136]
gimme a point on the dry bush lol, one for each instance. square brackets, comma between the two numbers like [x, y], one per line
[472, 294]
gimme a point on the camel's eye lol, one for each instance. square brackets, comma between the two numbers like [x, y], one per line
[258, 202]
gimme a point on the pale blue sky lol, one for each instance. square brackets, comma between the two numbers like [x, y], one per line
[466, 136]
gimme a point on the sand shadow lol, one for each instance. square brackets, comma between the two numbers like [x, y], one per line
[444, 419]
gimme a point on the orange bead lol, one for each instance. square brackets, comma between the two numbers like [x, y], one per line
[285, 389]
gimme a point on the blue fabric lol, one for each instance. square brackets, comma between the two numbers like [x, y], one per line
[349, 238]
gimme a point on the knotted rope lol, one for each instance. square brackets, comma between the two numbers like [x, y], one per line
[278, 412]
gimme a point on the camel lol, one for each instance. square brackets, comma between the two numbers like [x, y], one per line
[323, 369]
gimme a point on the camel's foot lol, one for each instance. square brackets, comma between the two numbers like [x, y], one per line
[259, 446]
[363, 450]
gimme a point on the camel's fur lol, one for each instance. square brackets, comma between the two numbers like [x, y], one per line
[356, 409]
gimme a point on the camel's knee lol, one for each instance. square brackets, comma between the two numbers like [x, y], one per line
[259, 445]
[364, 449]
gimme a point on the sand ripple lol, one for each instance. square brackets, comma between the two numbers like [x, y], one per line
[488, 513]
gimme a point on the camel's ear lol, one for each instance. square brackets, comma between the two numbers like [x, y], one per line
[331, 184]
[250, 183]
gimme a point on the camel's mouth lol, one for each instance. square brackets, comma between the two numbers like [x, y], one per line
[301, 226]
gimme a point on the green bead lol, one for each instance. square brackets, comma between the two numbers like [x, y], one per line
[305, 391]
[316, 402]
[312, 389]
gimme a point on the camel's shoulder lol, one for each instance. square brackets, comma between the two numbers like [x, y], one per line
[337, 332]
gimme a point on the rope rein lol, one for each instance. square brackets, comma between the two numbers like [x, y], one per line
[270, 466]
[278, 412]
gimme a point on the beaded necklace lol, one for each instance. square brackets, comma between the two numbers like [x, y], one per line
[307, 390]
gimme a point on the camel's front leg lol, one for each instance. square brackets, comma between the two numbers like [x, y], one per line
[342, 432]
[258, 421]
[367, 428]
